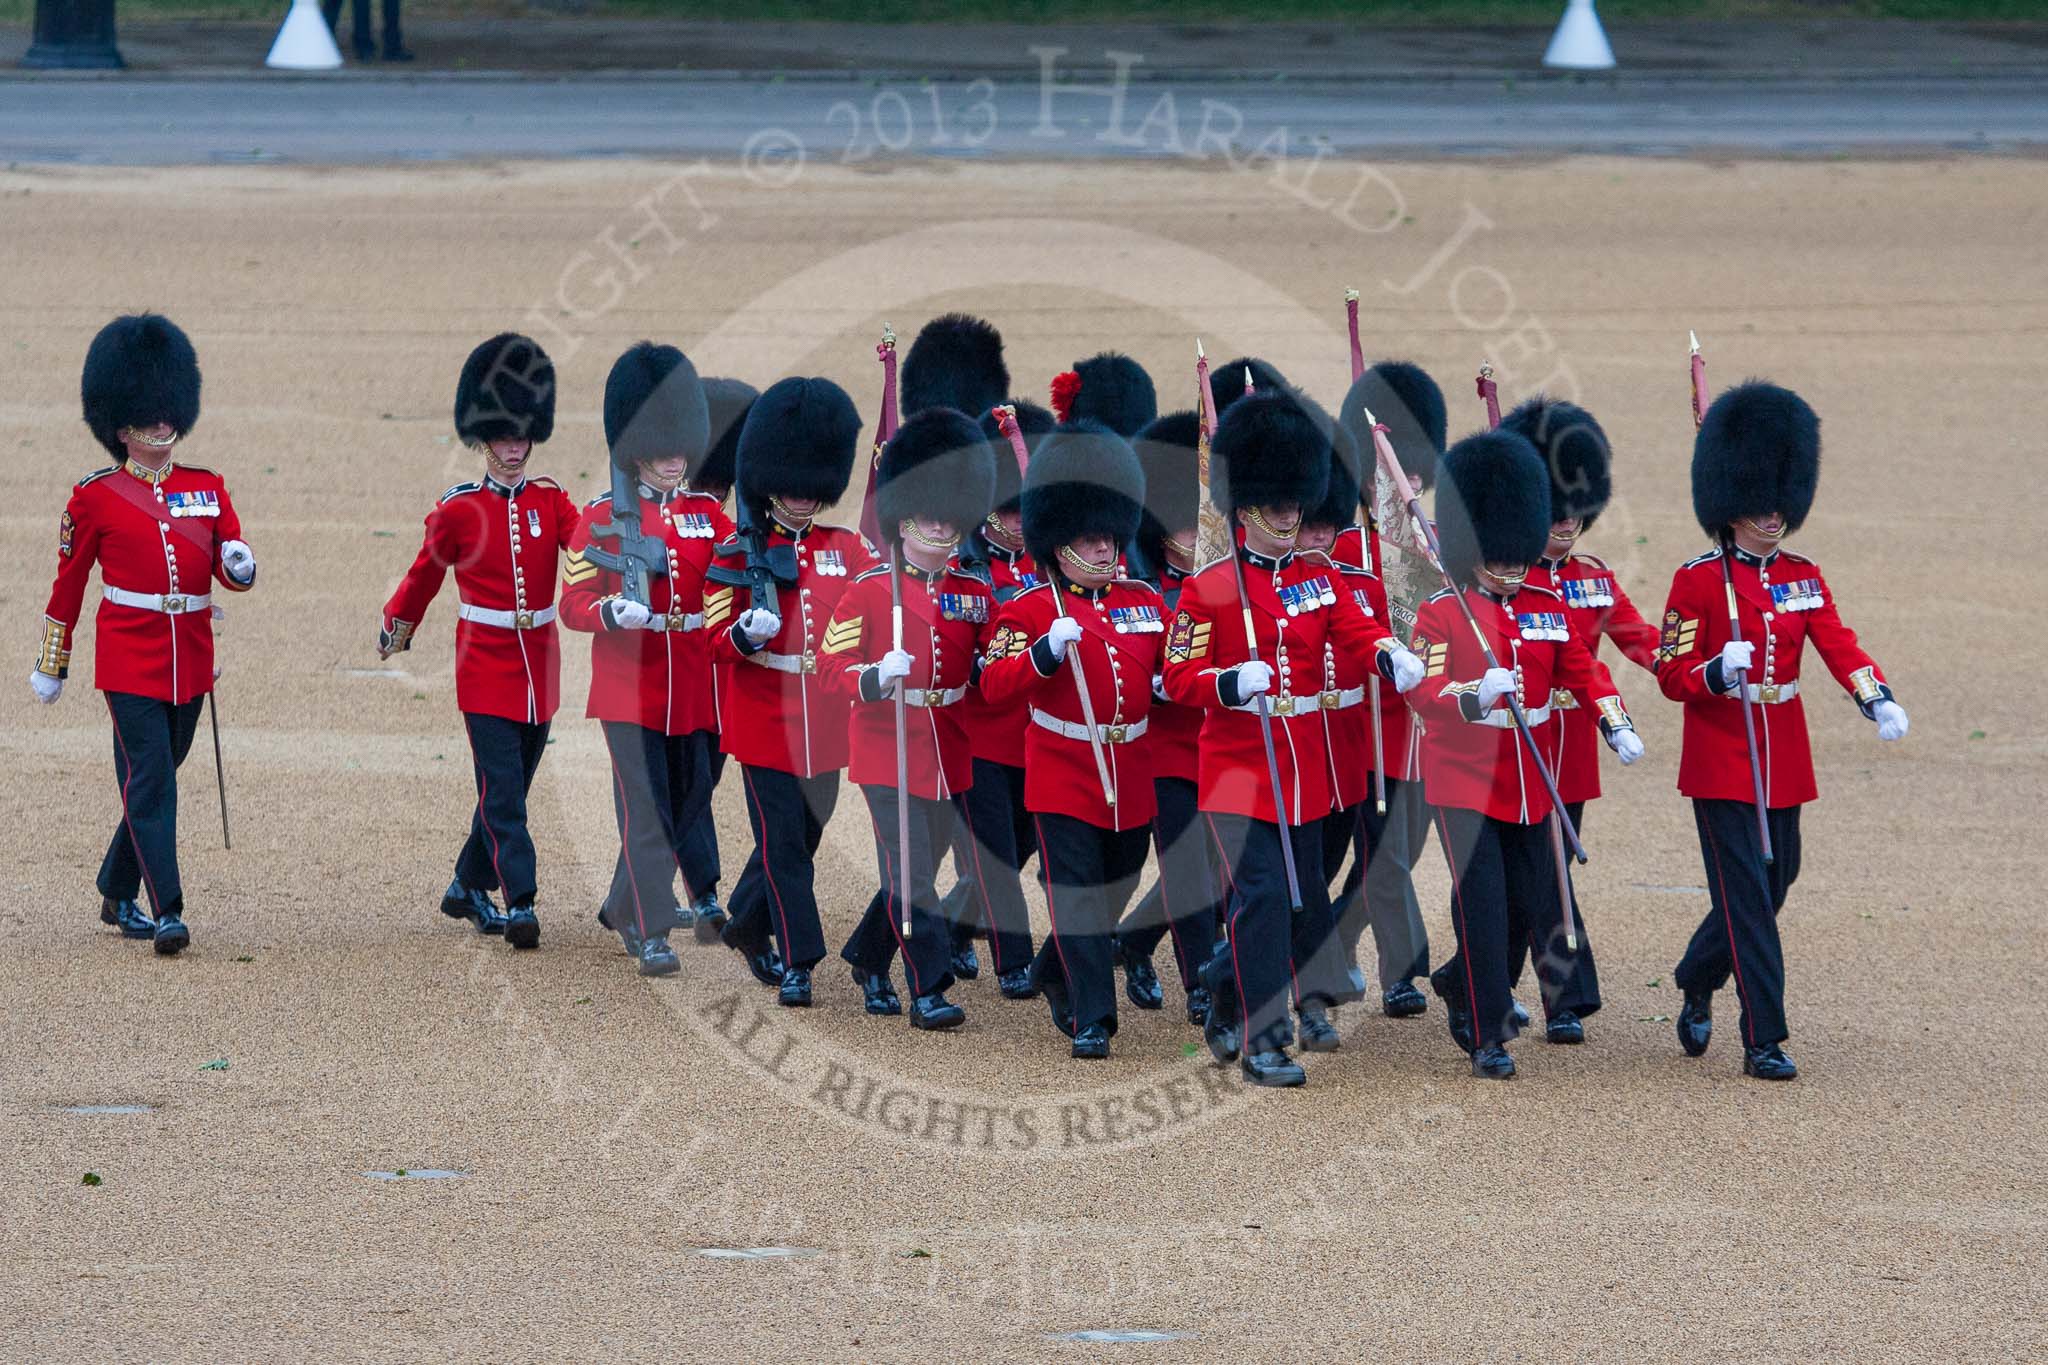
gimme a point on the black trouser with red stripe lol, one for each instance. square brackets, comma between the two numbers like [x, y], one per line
[1379, 888]
[1261, 936]
[151, 738]
[1501, 873]
[655, 793]
[776, 890]
[697, 837]
[498, 855]
[1740, 933]
[1182, 901]
[991, 844]
[1580, 992]
[1089, 874]
[928, 953]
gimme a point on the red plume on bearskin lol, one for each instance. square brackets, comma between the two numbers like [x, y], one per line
[1066, 387]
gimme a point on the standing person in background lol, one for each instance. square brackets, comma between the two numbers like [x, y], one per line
[394, 41]
[503, 536]
[161, 533]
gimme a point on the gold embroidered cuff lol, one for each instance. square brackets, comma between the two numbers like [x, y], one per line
[399, 636]
[1865, 685]
[1615, 714]
[54, 657]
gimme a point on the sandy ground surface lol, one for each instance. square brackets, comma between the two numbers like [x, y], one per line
[980, 1194]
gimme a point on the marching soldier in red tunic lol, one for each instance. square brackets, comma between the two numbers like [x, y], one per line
[1271, 458]
[503, 536]
[1182, 902]
[784, 722]
[1755, 466]
[1379, 886]
[1088, 773]
[1493, 517]
[1575, 451]
[936, 478]
[649, 662]
[161, 533]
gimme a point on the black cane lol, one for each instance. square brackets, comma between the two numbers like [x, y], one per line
[220, 773]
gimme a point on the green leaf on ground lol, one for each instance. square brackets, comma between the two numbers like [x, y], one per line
[1187, 1049]
[1653, 1018]
[1976, 734]
[90, 1178]
[1655, 981]
[917, 1254]
[217, 1064]
[245, 957]
[582, 999]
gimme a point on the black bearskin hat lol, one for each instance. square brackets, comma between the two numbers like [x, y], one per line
[1084, 480]
[1492, 503]
[800, 441]
[1171, 463]
[1339, 507]
[1757, 452]
[506, 392]
[1575, 451]
[1410, 405]
[727, 402]
[140, 370]
[1226, 385]
[654, 407]
[1034, 424]
[1270, 448]
[956, 362]
[937, 465]
[1109, 388]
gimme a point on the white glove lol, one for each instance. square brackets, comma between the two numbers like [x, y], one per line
[1065, 630]
[893, 666]
[1735, 658]
[1498, 683]
[623, 613]
[1407, 670]
[47, 689]
[1253, 678]
[759, 624]
[239, 561]
[1626, 745]
[1889, 715]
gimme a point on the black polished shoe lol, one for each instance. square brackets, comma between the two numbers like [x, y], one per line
[1274, 1068]
[1220, 1033]
[1457, 1016]
[1696, 1022]
[796, 988]
[1091, 1043]
[1493, 1063]
[1565, 1027]
[1318, 1034]
[1767, 1063]
[1198, 1006]
[966, 963]
[1403, 1001]
[878, 994]
[127, 916]
[171, 935]
[628, 939]
[466, 902]
[1521, 1013]
[522, 927]
[761, 958]
[935, 1012]
[1015, 984]
[710, 919]
[657, 958]
[1141, 983]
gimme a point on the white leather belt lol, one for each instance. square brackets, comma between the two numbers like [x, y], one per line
[1109, 734]
[1280, 706]
[1770, 694]
[506, 620]
[1505, 720]
[676, 625]
[932, 697]
[1343, 699]
[170, 603]
[784, 663]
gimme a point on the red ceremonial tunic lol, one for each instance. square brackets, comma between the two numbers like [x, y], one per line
[1347, 696]
[1596, 606]
[780, 712]
[1296, 608]
[1176, 734]
[1784, 603]
[995, 730]
[657, 676]
[1123, 634]
[1359, 547]
[503, 544]
[1477, 761]
[152, 534]
[947, 622]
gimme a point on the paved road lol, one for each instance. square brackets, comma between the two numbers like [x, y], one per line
[147, 121]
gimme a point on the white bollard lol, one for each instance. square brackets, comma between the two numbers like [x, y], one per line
[1579, 43]
[305, 43]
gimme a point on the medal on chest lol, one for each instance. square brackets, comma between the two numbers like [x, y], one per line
[1588, 592]
[1139, 620]
[201, 503]
[1804, 595]
[829, 564]
[693, 526]
[1311, 594]
[1364, 601]
[1543, 625]
[963, 606]
[533, 522]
